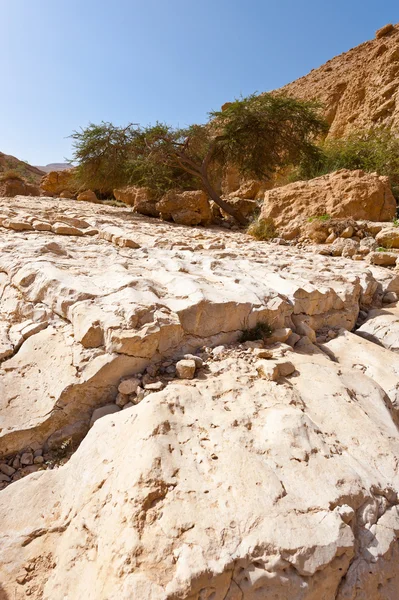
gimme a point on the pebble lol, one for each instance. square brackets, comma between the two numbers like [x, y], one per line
[27, 458]
[38, 460]
[128, 405]
[198, 361]
[122, 399]
[185, 369]
[6, 470]
[217, 351]
[139, 394]
[155, 387]
[129, 386]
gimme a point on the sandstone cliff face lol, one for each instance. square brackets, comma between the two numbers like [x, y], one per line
[342, 194]
[56, 182]
[359, 88]
[271, 473]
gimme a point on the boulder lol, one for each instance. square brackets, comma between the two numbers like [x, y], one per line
[342, 194]
[142, 199]
[388, 237]
[17, 187]
[55, 182]
[87, 196]
[384, 259]
[244, 206]
[185, 208]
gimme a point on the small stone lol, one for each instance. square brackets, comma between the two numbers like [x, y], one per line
[38, 452]
[347, 232]
[331, 238]
[279, 335]
[218, 350]
[155, 387]
[16, 463]
[4, 477]
[152, 370]
[285, 368]
[293, 339]
[27, 458]
[62, 229]
[129, 386]
[198, 361]
[103, 411]
[251, 345]
[7, 470]
[262, 353]
[128, 405]
[171, 370]
[321, 339]
[29, 469]
[304, 329]
[390, 297]
[332, 334]
[122, 400]
[139, 394]
[38, 460]
[185, 369]
[268, 370]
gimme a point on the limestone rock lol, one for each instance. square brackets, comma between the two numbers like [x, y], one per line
[388, 237]
[103, 411]
[185, 208]
[185, 369]
[227, 486]
[385, 259]
[343, 194]
[57, 182]
[141, 198]
[87, 196]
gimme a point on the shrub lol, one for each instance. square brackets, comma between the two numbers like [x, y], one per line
[321, 218]
[376, 150]
[11, 174]
[261, 331]
[262, 229]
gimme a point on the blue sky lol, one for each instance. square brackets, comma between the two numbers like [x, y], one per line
[64, 63]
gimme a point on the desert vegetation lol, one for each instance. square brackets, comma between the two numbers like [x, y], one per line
[257, 134]
[374, 150]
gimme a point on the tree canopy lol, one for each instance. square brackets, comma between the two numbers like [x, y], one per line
[256, 134]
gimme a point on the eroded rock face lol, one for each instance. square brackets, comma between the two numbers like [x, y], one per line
[185, 208]
[256, 472]
[343, 194]
[55, 182]
[357, 88]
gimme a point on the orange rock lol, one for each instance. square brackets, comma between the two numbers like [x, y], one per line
[342, 194]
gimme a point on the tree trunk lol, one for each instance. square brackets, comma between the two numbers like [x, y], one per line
[221, 203]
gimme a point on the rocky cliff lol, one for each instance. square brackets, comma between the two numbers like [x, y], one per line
[359, 88]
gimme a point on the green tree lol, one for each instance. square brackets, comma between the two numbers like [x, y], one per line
[256, 134]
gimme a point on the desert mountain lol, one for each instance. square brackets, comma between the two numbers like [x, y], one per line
[10, 163]
[358, 88]
[54, 167]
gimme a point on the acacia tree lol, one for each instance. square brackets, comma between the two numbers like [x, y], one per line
[256, 134]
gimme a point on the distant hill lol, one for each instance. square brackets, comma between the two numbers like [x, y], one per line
[55, 167]
[24, 169]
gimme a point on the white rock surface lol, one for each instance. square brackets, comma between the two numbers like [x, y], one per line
[230, 486]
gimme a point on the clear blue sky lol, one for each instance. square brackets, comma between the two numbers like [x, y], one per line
[64, 63]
